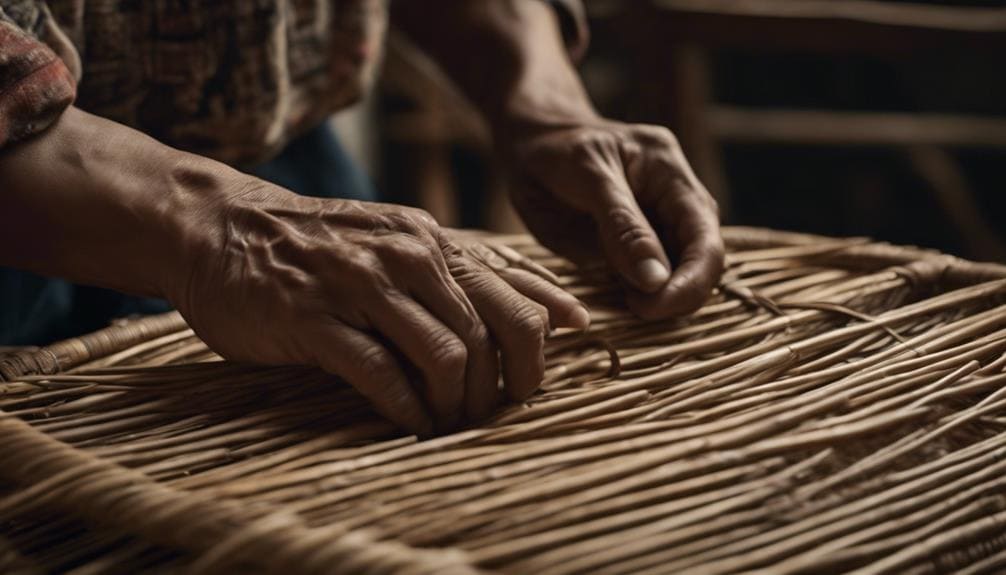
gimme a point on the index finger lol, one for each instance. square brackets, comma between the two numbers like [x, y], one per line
[689, 223]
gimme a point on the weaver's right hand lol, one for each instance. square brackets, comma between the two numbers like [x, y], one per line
[369, 292]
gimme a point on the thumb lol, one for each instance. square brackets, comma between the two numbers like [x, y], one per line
[630, 244]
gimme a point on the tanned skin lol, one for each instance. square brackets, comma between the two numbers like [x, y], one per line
[371, 292]
[584, 185]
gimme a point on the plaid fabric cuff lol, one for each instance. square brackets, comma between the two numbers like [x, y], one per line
[35, 85]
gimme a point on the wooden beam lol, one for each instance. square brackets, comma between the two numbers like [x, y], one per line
[688, 104]
[905, 15]
[856, 128]
[842, 26]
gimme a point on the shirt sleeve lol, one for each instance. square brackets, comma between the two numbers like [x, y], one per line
[35, 84]
[573, 20]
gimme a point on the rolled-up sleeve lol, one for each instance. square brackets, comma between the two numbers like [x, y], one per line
[35, 84]
[573, 20]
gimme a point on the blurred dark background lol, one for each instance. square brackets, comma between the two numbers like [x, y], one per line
[842, 117]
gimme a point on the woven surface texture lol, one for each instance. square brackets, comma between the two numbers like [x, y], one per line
[838, 405]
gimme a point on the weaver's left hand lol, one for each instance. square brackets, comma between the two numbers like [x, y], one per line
[628, 192]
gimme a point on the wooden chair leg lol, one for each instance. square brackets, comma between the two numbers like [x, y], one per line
[949, 184]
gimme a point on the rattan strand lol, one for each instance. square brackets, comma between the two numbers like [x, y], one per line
[837, 406]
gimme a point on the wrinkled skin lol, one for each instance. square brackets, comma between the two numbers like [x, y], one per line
[357, 288]
[590, 188]
[625, 192]
[373, 293]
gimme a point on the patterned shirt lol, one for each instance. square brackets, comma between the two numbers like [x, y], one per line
[229, 79]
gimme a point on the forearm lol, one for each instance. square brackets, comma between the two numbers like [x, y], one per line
[507, 55]
[98, 203]
[584, 185]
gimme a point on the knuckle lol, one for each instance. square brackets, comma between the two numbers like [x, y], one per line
[670, 205]
[414, 220]
[367, 268]
[450, 249]
[660, 136]
[449, 357]
[483, 284]
[631, 235]
[412, 253]
[593, 150]
[464, 272]
[381, 379]
[362, 263]
[626, 226]
[391, 392]
[585, 148]
[491, 289]
[381, 221]
[421, 216]
[476, 335]
[668, 139]
[377, 366]
[528, 322]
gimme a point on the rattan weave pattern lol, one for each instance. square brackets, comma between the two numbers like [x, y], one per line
[838, 405]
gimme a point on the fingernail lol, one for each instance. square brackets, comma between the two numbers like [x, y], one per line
[579, 319]
[651, 274]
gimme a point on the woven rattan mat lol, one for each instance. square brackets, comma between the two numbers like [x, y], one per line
[837, 406]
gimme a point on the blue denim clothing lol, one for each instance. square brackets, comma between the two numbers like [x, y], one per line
[317, 165]
[35, 310]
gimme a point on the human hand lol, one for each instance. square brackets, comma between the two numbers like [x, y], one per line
[367, 292]
[628, 192]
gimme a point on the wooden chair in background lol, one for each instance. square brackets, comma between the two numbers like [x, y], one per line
[673, 40]
[677, 36]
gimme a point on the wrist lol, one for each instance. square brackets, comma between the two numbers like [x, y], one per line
[95, 202]
[533, 83]
[189, 220]
[159, 203]
[544, 90]
[539, 108]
